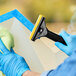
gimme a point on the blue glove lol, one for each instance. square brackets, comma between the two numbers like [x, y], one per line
[70, 41]
[11, 64]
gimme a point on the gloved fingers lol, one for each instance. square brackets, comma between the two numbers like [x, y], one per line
[65, 36]
[3, 49]
[1, 61]
[1, 52]
[14, 53]
[60, 46]
[0, 67]
[73, 36]
[1, 55]
[18, 55]
[12, 50]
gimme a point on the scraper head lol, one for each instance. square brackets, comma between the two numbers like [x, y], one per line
[39, 29]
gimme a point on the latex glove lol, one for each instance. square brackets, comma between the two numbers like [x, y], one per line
[70, 41]
[11, 64]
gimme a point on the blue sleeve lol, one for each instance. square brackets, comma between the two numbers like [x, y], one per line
[67, 68]
[46, 73]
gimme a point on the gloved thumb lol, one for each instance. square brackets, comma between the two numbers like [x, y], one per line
[60, 46]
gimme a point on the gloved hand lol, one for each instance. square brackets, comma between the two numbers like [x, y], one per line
[70, 41]
[11, 64]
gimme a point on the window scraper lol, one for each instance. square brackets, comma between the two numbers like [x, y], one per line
[40, 30]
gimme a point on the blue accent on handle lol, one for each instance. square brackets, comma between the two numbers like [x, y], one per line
[15, 13]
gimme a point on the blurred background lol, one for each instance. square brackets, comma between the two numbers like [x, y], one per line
[53, 10]
[58, 13]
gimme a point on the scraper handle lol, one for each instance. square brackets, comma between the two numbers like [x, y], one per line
[55, 37]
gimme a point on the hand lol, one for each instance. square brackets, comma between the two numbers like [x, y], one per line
[70, 41]
[11, 64]
[30, 73]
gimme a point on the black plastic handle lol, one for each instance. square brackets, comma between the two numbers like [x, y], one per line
[55, 37]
